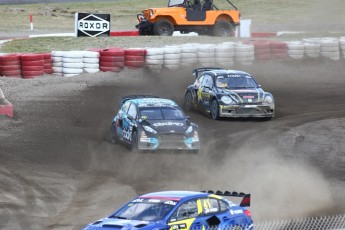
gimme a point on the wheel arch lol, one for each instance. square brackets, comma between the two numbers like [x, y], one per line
[171, 19]
[224, 17]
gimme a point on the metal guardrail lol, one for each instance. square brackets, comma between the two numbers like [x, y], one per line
[336, 222]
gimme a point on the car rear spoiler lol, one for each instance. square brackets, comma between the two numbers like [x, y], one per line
[129, 97]
[245, 200]
[197, 72]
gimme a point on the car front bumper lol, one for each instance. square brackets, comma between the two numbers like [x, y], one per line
[169, 142]
[250, 110]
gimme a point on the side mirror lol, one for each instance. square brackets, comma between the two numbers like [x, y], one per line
[130, 117]
[187, 117]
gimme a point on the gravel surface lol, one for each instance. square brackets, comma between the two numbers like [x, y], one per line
[59, 169]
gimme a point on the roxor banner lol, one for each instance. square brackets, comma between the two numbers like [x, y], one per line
[92, 25]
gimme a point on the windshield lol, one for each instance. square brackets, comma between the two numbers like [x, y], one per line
[165, 113]
[235, 81]
[175, 3]
[145, 210]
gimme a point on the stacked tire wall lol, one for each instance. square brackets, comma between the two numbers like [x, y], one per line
[173, 57]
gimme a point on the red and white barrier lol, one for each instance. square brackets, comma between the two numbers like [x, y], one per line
[6, 108]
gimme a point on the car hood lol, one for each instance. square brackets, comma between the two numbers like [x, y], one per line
[169, 126]
[252, 95]
[113, 223]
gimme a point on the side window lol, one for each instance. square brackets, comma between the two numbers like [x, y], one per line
[198, 81]
[207, 81]
[223, 206]
[125, 107]
[132, 111]
[189, 209]
[210, 205]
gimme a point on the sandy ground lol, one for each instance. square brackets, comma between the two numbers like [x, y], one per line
[59, 169]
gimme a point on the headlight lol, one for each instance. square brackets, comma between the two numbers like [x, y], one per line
[226, 100]
[189, 130]
[151, 13]
[268, 99]
[149, 129]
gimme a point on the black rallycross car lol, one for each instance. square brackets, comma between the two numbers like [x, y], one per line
[228, 93]
[149, 123]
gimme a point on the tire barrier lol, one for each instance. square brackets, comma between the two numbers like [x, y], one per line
[262, 51]
[114, 59]
[342, 46]
[32, 65]
[244, 53]
[6, 108]
[225, 54]
[72, 63]
[134, 58]
[48, 63]
[312, 47]
[330, 48]
[295, 49]
[189, 55]
[278, 50]
[172, 56]
[154, 59]
[10, 65]
[111, 60]
[206, 54]
[91, 61]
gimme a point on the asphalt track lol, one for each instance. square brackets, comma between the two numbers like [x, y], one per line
[59, 169]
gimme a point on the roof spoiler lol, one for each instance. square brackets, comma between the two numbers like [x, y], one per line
[198, 71]
[245, 201]
[129, 97]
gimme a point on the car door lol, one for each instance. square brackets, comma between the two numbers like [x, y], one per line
[128, 122]
[186, 216]
[214, 213]
[120, 118]
[206, 90]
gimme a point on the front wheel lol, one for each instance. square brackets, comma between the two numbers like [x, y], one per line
[134, 142]
[215, 110]
[188, 101]
[163, 28]
[113, 134]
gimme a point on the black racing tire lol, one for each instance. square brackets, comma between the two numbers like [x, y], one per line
[163, 27]
[188, 101]
[114, 138]
[223, 29]
[134, 142]
[214, 110]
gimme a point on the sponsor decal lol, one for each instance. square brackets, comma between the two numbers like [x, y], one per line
[160, 124]
[154, 201]
[248, 96]
[170, 202]
[92, 25]
[127, 134]
[138, 200]
[236, 212]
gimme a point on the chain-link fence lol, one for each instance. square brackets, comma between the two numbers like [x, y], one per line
[336, 222]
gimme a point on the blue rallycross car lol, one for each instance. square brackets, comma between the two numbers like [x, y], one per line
[172, 210]
[148, 123]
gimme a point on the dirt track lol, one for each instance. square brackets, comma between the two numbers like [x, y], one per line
[60, 171]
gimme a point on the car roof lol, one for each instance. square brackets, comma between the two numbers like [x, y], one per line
[227, 71]
[150, 102]
[174, 195]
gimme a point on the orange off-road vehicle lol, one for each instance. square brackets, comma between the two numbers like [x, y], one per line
[187, 16]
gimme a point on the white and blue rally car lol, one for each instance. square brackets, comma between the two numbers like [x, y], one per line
[148, 123]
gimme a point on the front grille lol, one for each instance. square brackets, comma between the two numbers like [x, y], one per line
[249, 111]
[171, 141]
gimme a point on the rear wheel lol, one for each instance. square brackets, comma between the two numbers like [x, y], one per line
[113, 134]
[134, 142]
[188, 101]
[163, 28]
[215, 110]
[223, 29]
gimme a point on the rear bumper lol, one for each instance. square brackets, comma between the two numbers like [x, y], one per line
[246, 111]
